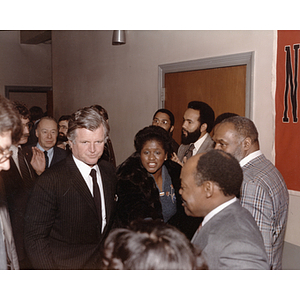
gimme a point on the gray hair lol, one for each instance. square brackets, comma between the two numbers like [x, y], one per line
[88, 118]
[244, 127]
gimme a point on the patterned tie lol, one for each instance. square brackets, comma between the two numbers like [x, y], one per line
[25, 172]
[189, 151]
[47, 159]
[96, 192]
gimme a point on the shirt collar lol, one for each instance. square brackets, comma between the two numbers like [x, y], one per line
[50, 151]
[217, 210]
[84, 169]
[199, 142]
[250, 157]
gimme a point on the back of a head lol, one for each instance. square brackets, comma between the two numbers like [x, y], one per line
[10, 120]
[88, 118]
[244, 127]
[222, 168]
[224, 116]
[150, 245]
[207, 114]
[102, 111]
[22, 109]
[168, 112]
[36, 113]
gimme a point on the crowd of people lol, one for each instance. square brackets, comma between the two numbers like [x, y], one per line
[212, 202]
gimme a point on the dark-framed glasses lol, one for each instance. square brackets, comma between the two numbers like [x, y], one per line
[5, 155]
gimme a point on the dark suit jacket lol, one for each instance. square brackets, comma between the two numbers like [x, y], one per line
[58, 154]
[62, 229]
[17, 196]
[231, 240]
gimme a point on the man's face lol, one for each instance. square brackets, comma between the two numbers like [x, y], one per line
[226, 139]
[163, 120]
[5, 143]
[193, 196]
[63, 128]
[191, 127]
[88, 145]
[47, 133]
[26, 127]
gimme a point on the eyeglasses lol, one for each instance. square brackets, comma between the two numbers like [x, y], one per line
[5, 155]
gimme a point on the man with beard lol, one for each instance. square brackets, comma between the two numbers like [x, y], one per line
[63, 125]
[198, 121]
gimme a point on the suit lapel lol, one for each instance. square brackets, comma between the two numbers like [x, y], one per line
[79, 184]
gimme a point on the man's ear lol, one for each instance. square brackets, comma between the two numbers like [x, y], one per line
[203, 127]
[208, 188]
[171, 129]
[246, 143]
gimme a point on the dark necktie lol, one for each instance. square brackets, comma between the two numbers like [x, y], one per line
[47, 159]
[96, 192]
[189, 151]
[27, 179]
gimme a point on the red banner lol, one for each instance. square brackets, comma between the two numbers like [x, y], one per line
[287, 126]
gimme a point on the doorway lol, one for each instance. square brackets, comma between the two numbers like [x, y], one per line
[32, 96]
[225, 83]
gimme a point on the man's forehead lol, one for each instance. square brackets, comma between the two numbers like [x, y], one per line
[162, 116]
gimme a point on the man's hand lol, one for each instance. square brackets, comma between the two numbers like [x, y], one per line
[38, 160]
[176, 159]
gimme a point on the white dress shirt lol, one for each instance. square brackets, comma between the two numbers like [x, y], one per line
[85, 171]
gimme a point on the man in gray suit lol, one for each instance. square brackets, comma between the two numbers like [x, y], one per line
[228, 236]
[198, 121]
[263, 192]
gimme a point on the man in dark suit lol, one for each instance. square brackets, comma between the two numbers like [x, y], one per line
[18, 182]
[228, 235]
[45, 154]
[72, 204]
[198, 121]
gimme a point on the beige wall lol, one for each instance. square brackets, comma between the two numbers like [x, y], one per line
[23, 65]
[87, 69]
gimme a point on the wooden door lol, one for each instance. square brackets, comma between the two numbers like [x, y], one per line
[224, 89]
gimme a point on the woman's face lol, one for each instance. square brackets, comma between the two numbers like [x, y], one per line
[153, 156]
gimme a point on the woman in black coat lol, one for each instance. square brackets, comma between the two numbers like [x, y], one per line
[149, 182]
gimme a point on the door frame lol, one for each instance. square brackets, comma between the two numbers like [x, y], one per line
[246, 58]
[33, 89]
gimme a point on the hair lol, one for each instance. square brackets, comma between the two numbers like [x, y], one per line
[36, 113]
[102, 111]
[221, 168]
[10, 120]
[22, 109]
[223, 116]
[150, 245]
[88, 118]
[65, 118]
[206, 113]
[46, 118]
[166, 111]
[244, 128]
[150, 133]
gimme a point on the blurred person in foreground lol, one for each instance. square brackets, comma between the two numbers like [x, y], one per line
[18, 182]
[150, 245]
[11, 130]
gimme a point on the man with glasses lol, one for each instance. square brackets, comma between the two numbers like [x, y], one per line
[10, 132]
[18, 182]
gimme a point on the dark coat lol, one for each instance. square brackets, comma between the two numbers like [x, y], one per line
[138, 196]
[62, 228]
[17, 195]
